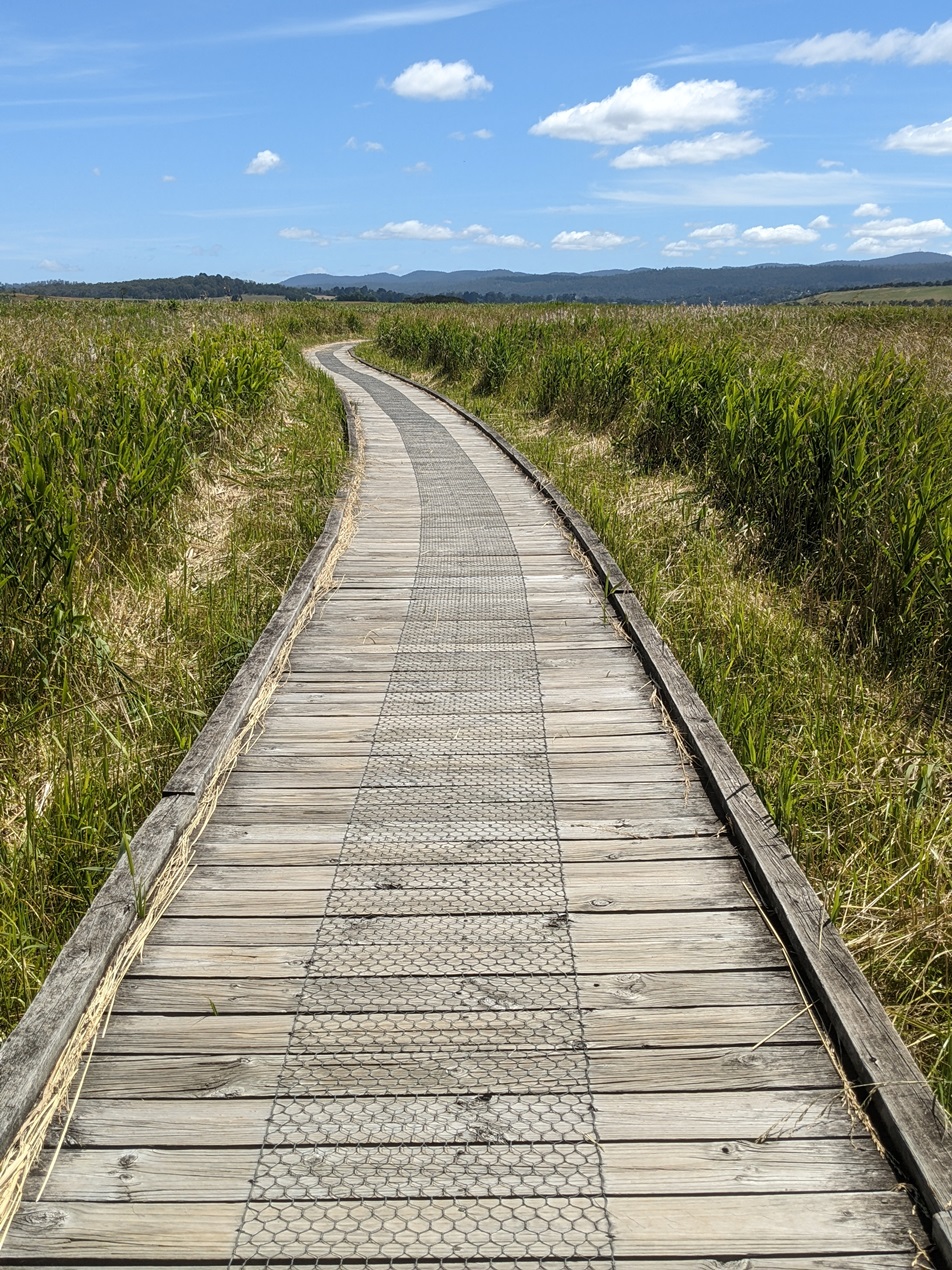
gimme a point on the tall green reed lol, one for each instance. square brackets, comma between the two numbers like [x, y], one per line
[163, 471]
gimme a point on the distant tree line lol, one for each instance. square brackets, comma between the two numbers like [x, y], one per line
[199, 286]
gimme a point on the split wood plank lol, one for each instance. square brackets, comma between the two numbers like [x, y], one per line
[144, 993]
[753, 1115]
[716, 1225]
[203, 1174]
[153, 1034]
[780, 1067]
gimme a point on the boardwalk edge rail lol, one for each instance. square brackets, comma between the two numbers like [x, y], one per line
[886, 1079]
[43, 1054]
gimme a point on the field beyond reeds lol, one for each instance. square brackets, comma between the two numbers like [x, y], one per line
[164, 469]
[777, 485]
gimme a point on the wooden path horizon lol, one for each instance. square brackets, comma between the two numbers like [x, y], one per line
[468, 971]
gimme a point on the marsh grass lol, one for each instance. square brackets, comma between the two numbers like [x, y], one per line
[164, 471]
[773, 483]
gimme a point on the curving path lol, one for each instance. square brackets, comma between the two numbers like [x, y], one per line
[467, 970]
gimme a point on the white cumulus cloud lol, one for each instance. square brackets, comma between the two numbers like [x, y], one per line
[870, 209]
[779, 235]
[880, 237]
[486, 238]
[418, 168]
[897, 45]
[167, 180]
[588, 240]
[644, 106]
[710, 149]
[483, 134]
[411, 229]
[724, 235]
[821, 222]
[419, 231]
[930, 138]
[303, 235]
[264, 161]
[440, 81]
[680, 248]
[372, 147]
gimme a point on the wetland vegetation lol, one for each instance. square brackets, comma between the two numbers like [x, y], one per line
[164, 469]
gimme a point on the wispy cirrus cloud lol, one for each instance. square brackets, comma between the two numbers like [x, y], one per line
[74, 123]
[297, 234]
[764, 51]
[924, 48]
[897, 45]
[363, 23]
[714, 148]
[750, 189]
[26, 52]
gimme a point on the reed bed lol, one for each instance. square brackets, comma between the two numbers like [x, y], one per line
[777, 485]
[164, 469]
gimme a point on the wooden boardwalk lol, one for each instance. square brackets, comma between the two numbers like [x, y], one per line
[467, 971]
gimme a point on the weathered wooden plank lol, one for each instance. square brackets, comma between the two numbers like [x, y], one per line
[619, 888]
[201, 901]
[139, 1174]
[160, 995]
[740, 1225]
[121, 1231]
[155, 1034]
[710, 1116]
[723, 1226]
[757, 1115]
[701, 847]
[736, 1168]
[651, 954]
[886, 1261]
[198, 960]
[714, 930]
[260, 878]
[579, 877]
[159, 1122]
[785, 1067]
[607, 775]
[331, 806]
[298, 788]
[250, 845]
[204, 1174]
[699, 1025]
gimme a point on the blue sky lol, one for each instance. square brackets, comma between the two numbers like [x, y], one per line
[269, 140]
